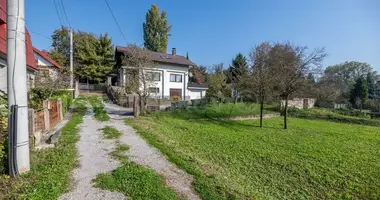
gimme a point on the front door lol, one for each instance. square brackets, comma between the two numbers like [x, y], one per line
[175, 92]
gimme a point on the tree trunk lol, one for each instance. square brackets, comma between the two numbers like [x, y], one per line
[261, 113]
[286, 114]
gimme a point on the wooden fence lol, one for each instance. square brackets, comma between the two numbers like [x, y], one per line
[41, 121]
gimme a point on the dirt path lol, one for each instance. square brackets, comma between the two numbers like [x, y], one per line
[94, 159]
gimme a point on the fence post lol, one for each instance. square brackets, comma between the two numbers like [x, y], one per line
[31, 127]
[45, 105]
[136, 110]
[60, 109]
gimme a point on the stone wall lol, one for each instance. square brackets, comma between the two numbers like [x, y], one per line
[300, 103]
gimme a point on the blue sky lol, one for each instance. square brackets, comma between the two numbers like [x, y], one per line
[215, 31]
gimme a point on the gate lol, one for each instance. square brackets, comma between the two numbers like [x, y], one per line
[54, 114]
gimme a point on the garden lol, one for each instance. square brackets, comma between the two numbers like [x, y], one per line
[316, 158]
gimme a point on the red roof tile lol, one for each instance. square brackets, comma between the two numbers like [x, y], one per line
[45, 55]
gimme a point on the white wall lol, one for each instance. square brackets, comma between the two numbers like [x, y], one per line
[197, 93]
[3, 75]
[165, 85]
[42, 61]
[53, 72]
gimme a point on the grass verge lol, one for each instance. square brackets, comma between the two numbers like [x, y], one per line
[110, 132]
[239, 160]
[98, 107]
[50, 172]
[133, 180]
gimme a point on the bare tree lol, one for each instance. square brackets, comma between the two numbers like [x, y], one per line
[259, 81]
[139, 73]
[293, 64]
[52, 81]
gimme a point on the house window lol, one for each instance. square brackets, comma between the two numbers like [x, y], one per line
[175, 78]
[154, 90]
[154, 76]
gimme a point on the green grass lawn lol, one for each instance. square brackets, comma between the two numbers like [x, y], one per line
[239, 160]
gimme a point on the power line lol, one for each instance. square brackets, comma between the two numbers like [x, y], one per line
[56, 10]
[114, 18]
[44, 36]
[64, 12]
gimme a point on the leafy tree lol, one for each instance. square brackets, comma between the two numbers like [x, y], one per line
[292, 64]
[261, 80]
[58, 57]
[371, 84]
[218, 87]
[61, 46]
[139, 77]
[359, 93]
[349, 72]
[156, 30]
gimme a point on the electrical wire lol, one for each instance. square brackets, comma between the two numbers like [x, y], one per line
[64, 12]
[114, 18]
[56, 10]
[44, 36]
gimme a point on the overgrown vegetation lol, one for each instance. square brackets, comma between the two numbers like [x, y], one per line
[110, 132]
[133, 180]
[225, 110]
[98, 107]
[326, 114]
[239, 160]
[38, 95]
[3, 131]
[50, 172]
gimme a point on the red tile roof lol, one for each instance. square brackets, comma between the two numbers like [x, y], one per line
[30, 59]
[162, 57]
[45, 55]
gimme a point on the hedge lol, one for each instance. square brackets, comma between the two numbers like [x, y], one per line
[328, 115]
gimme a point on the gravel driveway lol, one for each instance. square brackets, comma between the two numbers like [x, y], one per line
[94, 159]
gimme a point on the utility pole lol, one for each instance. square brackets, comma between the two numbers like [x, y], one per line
[17, 86]
[71, 61]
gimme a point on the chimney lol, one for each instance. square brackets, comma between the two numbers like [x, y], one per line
[174, 51]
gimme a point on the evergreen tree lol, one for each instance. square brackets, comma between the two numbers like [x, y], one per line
[238, 68]
[359, 93]
[156, 30]
[93, 56]
[187, 55]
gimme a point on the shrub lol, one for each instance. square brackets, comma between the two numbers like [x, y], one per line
[176, 98]
[66, 98]
[350, 112]
[330, 116]
[3, 130]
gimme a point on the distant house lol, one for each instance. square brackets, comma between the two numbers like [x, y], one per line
[170, 75]
[31, 65]
[45, 63]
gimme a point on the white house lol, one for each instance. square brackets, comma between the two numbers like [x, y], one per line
[45, 63]
[170, 76]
